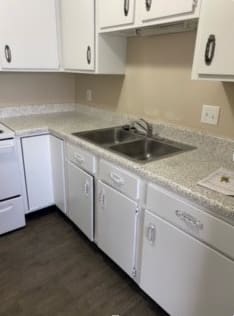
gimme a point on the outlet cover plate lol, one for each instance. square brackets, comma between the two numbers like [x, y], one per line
[210, 114]
[89, 95]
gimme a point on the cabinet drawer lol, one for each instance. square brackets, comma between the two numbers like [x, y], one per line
[198, 223]
[120, 179]
[11, 215]
[82, 158]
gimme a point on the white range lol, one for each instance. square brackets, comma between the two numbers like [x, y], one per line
[11, 200]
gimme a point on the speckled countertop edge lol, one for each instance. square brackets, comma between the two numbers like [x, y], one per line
[207, 200]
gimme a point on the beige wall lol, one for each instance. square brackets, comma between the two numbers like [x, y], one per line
[39, 88]
[157, 85]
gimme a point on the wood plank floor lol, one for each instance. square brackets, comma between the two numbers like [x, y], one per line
[50, 269]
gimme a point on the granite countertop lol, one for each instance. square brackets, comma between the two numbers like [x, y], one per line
[179, 173]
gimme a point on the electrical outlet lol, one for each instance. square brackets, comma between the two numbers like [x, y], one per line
[210, 114]
[89, 95]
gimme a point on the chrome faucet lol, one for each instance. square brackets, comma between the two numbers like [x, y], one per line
[148, 128]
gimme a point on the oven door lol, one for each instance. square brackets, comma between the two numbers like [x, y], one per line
[10, 185]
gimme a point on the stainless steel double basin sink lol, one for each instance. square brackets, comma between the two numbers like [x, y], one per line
[132, 144]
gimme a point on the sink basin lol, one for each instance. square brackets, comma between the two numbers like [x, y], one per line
[129, 143]
[108, 136]
[148, 149]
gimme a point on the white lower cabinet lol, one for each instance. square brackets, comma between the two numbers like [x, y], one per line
[80, 198]
[182, 274]
[38, 171]
[57, 164]
[116, 222]
[43, 157]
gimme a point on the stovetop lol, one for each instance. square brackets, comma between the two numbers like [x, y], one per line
[5, 132]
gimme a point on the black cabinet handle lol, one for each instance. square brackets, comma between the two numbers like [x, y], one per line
[210, 49]
[148, 4]
[126, 7]
[8, 53]
[88, 55]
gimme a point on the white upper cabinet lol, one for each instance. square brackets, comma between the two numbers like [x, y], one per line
[119, 15]
[214, 54]
[116, 13]
[157, 10]
[28, 35]
[78, 33]
[84, 49]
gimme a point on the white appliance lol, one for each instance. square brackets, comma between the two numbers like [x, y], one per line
[11, 201]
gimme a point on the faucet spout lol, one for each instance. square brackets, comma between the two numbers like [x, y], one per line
[146, 126]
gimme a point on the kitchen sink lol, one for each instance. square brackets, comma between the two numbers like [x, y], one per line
[146, 149]
[132, 144]
[108, 136]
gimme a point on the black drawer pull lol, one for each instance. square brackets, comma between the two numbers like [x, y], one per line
[148, 4]
[8, 53]
[88, 55]
[126, 7]
[210, 49]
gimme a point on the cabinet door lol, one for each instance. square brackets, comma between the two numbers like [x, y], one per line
[155, 10]
[116, 13]
[116, 226]
[38, 171]
[183, 275]
[215, 44]
[80, 199]
[57, 159]
[28, 34]
[78, 34]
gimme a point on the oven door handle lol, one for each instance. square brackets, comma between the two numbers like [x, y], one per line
[7, 144]
[6, 209]
[6, 147]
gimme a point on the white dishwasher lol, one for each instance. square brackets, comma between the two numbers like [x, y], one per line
[80, 189]
[117, 215]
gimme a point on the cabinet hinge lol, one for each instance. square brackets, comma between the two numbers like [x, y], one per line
[134, 272]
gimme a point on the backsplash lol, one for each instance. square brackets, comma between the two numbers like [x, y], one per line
[22, 110]
[36, 88]
[158, 86]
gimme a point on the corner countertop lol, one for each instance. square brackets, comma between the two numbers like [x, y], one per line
[179, 173]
